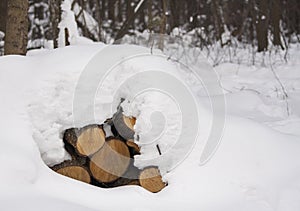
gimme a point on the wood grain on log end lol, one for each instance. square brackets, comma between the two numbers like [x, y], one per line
[110, 162]
[74, 170]
[90, 140]
[86, 141]
[151, 180]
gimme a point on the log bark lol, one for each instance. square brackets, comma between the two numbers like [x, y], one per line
[110, 162]
[87, 140]
[124, 125]
[151, 180]
[74, 170]
[133, 147]
[130, 177]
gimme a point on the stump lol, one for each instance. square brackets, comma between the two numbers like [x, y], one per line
[86, 141]
[151, 180]
[110, 162]
[74, 170]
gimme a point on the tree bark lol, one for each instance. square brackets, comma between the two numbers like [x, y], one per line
[131, 15]
[275, 17]
[55, 17]
[111, 11]
[150, 16]
[219, 25]
[99, 19]
[3, 15]
[262, 26]
[17, 30]
[175, 14]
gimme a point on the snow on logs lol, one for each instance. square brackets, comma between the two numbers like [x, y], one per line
[107, 162]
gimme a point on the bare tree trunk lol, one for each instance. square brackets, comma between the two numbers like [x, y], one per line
[163, 25]
[99, 19]
[275, 17]
[150, 16]
[175, 14]
[217, 19]
[103, 9]
[3, 15]
[17, 30]
[120, 11]
[111, 11]
[262, 26]
[129, 21]
[55, 17]
[129, 11]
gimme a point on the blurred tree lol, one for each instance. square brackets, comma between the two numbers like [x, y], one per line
[55, 17]
[262, 19]
[275, 22]
[3, 14]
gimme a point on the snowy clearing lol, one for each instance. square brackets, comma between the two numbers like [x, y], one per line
[256, 167]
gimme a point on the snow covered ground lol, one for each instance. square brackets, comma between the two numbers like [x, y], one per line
[256, 167]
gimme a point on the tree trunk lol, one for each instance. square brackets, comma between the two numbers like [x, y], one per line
[55, 17]
[120, 11]
[111, 11]
[103, 9]
[275, 17]
[150, 16]
[163, 25]
[17, 30]
[175, 14]
[3, 15]
[131, 15]
[219, 25]
[262, 26]
[99, 19]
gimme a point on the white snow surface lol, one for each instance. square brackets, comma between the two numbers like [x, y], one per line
[256, 167]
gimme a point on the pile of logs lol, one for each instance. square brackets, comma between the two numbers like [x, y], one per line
[107, 161]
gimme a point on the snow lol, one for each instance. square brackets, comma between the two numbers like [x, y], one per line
[256, 166]
[68, 21]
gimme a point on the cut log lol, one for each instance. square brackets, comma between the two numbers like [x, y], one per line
[124, 125]
[134, 148]
[151, 180]
[74, 170]
[122, 181]
[87, 140]
[81, 160]
[110, 162]
[130, 177]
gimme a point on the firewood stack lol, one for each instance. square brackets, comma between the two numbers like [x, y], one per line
[107, 161]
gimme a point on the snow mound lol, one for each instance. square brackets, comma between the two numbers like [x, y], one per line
[254, 168]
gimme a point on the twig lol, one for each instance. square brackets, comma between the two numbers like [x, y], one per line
[282, 88]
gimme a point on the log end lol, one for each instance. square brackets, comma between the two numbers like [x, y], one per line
[151, 179]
